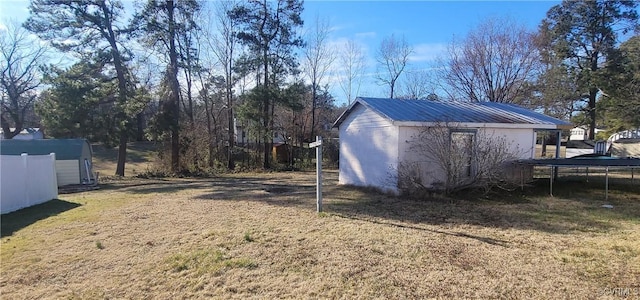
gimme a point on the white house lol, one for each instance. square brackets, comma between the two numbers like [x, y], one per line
[375, 134]
[25, 134]
[578, 134]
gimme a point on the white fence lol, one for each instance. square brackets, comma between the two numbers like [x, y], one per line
[27, 180]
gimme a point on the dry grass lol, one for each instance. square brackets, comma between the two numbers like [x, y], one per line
[140, 156]
[258, 236]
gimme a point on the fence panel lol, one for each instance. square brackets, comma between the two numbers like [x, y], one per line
[26, 180]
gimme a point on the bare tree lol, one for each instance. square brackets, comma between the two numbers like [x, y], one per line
[392, 57]
[317, 62]
[351, 69]
[493, 63]
[20, 77]
[451, 158]
[417, 85]
[224, 45]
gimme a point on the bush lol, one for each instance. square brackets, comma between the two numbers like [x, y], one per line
[465, 159]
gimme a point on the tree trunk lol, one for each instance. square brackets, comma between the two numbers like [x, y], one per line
[232, 128]
[593, 93]
[314, 95]
[230, 162]
[6, 128]
[268, 136]
[140, 127]
[392, 86]
[118, 65]
[175, 90]
[592, 113]
[122, 153]
[209, 130]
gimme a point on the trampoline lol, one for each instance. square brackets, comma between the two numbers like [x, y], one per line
[585, 161]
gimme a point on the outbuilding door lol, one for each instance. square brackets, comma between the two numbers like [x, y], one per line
[462, 146]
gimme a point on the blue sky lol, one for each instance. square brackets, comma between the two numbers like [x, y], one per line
[421, 21]
[428, 26]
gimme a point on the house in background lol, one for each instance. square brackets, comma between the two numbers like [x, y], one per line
[376, 134]
[581, 133]
[25, 134]
[578, 134]
[73, 157]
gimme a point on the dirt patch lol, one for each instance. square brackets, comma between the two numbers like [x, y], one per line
[258, 236]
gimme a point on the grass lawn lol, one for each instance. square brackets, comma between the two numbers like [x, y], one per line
[139, 156]
[258, 236]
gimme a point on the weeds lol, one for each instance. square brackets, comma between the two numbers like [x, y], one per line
[207, 261]
[248, 237]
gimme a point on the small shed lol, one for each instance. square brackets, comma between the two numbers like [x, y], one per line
[578, 134]
[73, 157]
[375, 134]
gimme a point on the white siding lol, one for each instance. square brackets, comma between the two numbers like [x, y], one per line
[368, 150]
[67, 172]
[521, 143]
[429, 171]
[372, 146]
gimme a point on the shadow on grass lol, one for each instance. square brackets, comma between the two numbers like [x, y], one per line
[576, 207]
[22, 218]
[272, 193]
[488, 240]
[150, 187]
[215, 188]
[623, 195]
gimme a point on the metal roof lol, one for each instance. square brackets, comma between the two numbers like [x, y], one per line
[425, 111]
[65, 149]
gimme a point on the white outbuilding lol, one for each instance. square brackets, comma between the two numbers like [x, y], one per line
[73, 157]
[376, 135]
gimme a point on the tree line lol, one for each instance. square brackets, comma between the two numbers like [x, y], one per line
[219, 84]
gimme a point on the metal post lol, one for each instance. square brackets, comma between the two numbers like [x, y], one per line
[587, 174]
[558, 145]
[319, 173]
[551, 182]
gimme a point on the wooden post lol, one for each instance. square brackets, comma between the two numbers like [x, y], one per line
[318, 145]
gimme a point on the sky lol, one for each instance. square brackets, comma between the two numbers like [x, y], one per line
[427, 26]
